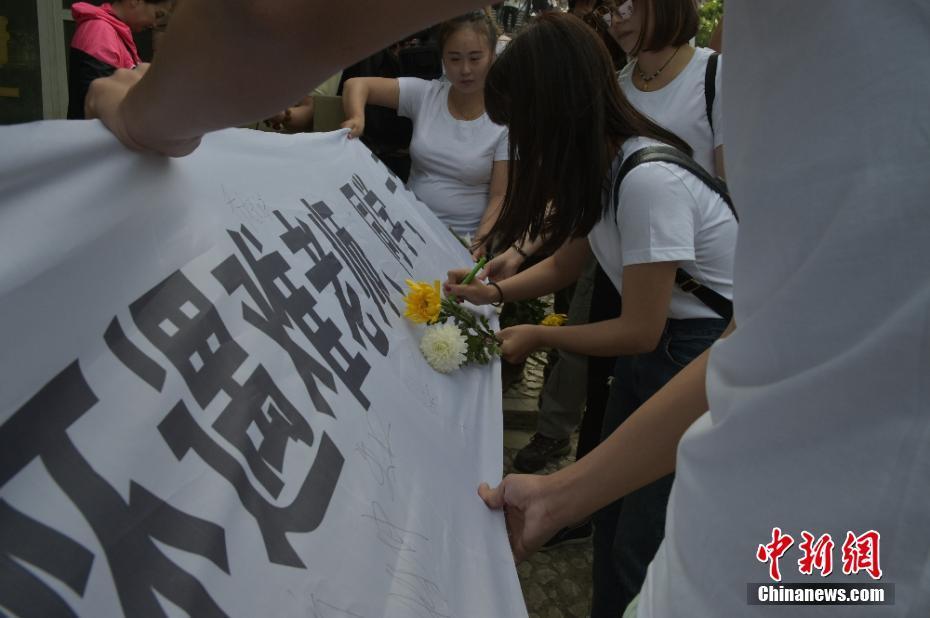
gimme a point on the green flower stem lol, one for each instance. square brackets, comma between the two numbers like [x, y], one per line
[482, 343]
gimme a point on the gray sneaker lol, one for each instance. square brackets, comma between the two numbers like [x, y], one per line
[540, 450]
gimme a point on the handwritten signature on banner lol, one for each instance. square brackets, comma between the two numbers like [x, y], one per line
[378, 454]
[411, 587]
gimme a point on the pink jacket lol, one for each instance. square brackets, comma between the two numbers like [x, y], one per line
[101, 34]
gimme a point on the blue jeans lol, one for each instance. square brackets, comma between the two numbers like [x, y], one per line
[628, 532]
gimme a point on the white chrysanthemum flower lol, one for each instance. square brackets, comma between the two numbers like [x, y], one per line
[444, 347]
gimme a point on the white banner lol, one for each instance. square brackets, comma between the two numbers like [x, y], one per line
[210, 401]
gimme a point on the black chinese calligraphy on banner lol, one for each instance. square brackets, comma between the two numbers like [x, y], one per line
[210, 404]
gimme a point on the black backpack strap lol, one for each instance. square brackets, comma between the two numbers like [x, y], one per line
[710, 87]
[670, 154]
[718, 303]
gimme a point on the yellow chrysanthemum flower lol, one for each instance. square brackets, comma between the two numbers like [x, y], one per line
[423, 302]
[554, 319]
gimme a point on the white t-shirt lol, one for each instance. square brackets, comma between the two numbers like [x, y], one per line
[666, 214]
[819, 414]
[681, 106]
[451, 159]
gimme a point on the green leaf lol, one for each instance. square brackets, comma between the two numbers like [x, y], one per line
[708, 14]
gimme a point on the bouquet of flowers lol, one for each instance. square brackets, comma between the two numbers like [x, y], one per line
[454, 335]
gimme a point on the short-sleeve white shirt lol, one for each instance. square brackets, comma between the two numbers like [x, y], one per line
[451, 159]
[681, 106]
[666, 214]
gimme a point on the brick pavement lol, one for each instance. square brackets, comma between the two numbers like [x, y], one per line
[556, 583]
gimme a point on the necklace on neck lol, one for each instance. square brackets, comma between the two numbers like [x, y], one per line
[648, 78]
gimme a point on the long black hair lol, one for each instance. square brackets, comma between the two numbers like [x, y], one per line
[554, 87]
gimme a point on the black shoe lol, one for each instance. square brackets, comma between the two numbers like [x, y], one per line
[573, 535]
[541, 449]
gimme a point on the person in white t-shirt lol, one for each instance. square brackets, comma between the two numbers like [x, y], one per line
[813, 415]
[458, 156]
[665, 78]
[643, 227]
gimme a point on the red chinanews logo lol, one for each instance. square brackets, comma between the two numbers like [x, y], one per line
[859, 553]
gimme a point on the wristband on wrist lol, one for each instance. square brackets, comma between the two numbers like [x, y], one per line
[522, 253]
[500, 294]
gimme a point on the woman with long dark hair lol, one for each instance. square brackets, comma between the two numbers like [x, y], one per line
[644, 227]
